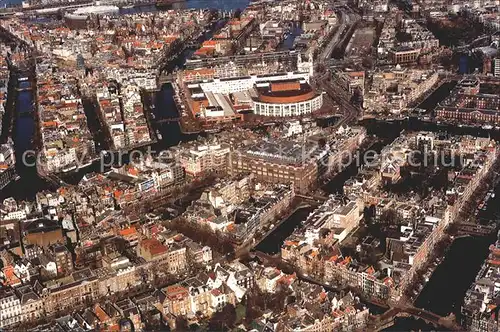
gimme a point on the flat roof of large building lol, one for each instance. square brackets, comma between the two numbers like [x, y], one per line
[286, 152]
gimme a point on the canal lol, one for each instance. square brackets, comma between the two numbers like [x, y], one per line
[445, 291]
[336, 184]
[392, 127]
[443, 91]
[29, 182]
[165, 108]
[437, 96]
[273, 242]
[295, 30]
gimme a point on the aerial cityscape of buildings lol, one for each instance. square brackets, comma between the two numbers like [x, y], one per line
[256, 166]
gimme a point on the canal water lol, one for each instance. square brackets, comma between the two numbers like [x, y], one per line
[437, 96]
[384, 128]
[444, 90]
[218, 4]
[295, 30]
[165, 108]
[25, 124]
[24, 129]
[273, 242]
[445, 291]
[180, 60]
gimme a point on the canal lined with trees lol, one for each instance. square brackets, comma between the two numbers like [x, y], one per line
[445, 291]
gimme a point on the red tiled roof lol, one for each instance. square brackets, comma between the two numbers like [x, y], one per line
[128, 231]
[154, 247]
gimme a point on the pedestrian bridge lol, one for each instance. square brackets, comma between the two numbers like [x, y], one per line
[165, 78]
[475, 229]
[387, 319]
[313, 198]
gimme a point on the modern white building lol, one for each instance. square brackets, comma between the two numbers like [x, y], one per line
[238, 84]
[286, 98]
[288, 109]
